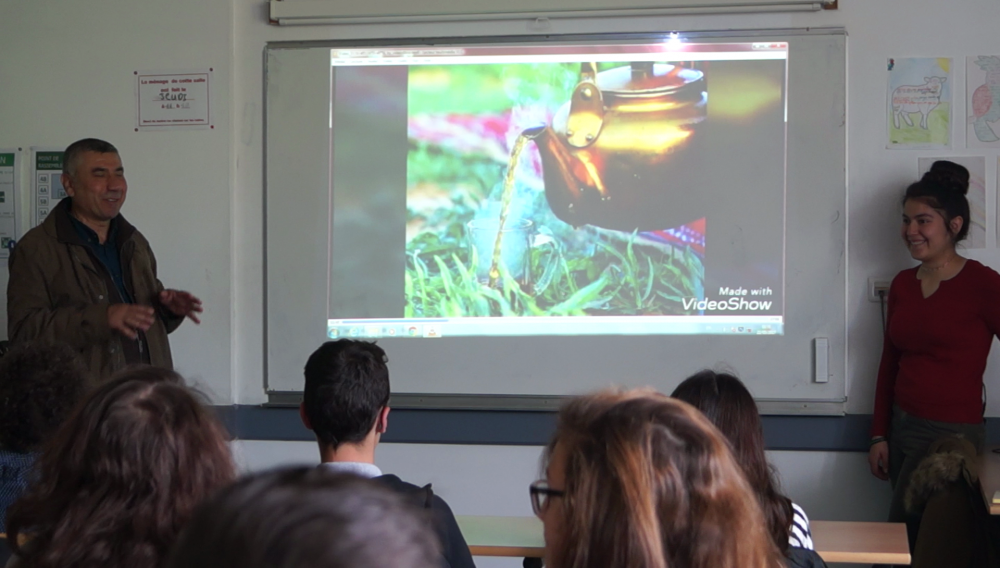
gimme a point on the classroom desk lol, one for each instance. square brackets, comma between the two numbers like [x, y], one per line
[989, 478]
[835, 541]
[503, 536]
[854, 542]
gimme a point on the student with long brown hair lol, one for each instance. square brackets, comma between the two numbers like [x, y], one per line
[640, 480]
[121, 476]
[724, 400]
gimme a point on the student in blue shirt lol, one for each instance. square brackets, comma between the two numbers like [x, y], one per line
[39, 386]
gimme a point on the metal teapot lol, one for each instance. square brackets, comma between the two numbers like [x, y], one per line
[617, 154]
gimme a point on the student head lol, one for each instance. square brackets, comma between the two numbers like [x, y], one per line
[40, 383]
[642, 480]
[346, 395]
[94, 178]
[724, 400]
[122, 475]
[936, 211]
[303, 518]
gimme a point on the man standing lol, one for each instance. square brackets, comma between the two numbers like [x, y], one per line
[87, 278]
[345, 404]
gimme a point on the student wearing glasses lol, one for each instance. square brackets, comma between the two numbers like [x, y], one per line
[641, 480]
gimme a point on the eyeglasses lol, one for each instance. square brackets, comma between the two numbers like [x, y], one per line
[540, 494]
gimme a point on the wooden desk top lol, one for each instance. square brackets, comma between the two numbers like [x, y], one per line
[989, 478]
[503, 536]
[835, 541]
[860, 542]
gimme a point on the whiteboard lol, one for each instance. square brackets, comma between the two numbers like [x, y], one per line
[517, 372]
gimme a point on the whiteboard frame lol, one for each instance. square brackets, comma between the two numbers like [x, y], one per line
[834, 405]
[536, 403]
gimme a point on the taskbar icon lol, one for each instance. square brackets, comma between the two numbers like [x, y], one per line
[375, 331]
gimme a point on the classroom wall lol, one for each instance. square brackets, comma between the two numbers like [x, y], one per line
[876, 176]
[65, 73]
[462, 483]
[493, 480]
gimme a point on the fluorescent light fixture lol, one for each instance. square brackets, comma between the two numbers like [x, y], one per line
[331, 12]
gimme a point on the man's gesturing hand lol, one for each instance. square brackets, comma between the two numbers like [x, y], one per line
[130, 319]
[181, 303]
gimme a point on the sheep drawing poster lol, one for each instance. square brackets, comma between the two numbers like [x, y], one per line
[919, 102]
[983, 101]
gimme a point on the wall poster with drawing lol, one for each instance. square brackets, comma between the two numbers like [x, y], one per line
[919, 102]
[982, 77]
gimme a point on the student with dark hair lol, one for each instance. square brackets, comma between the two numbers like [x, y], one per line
[346, 405]
[39, 386]
[121, 476]
[640, 480]
[941, 319]
[304, 518]
[727, 403]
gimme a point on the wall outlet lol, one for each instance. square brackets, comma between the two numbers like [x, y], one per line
[876, 285]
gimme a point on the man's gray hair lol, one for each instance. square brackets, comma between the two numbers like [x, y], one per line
[71, 158]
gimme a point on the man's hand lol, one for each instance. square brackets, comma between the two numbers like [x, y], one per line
[878, 460]
[130, 319]
[181, 303]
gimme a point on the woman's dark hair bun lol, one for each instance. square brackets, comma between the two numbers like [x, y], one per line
[952, 176]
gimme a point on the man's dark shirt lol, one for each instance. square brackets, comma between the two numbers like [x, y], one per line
[107, 253]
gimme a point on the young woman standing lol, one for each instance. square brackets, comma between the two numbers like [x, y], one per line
[941, 320]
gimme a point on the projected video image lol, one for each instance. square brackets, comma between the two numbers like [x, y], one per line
[540, 190]
[559, 188]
